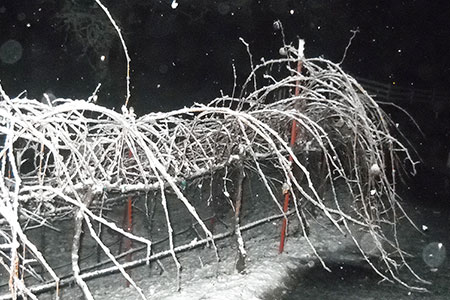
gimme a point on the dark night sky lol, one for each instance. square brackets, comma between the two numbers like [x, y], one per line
[185, 54]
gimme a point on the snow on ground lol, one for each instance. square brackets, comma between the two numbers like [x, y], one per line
[267, 270]
[268, 273]
[204, 278]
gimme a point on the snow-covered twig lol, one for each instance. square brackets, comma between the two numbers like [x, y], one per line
[79, 144]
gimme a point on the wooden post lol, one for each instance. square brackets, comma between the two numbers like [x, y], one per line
[129, 214]
[242, 253]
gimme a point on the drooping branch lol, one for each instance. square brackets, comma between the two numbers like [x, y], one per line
[78, 144]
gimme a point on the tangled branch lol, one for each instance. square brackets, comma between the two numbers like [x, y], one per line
[59, 161]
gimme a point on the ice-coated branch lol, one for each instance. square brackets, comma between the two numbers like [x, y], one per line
[79, 146]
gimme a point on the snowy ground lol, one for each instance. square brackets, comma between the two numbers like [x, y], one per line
[268, 274]
[203, 278]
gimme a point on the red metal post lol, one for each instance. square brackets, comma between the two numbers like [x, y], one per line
[293, 138]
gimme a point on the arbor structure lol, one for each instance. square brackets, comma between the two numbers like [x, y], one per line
[84, 155]
[73, 159]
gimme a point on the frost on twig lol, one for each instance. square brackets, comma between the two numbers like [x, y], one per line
[52, 155]
[76, 242]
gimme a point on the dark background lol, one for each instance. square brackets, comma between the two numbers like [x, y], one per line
[186, 54]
